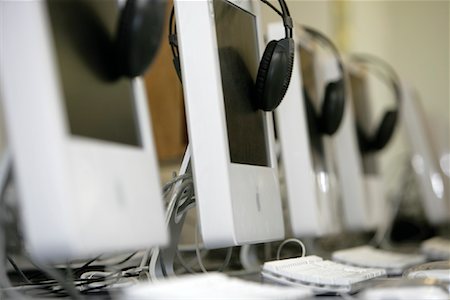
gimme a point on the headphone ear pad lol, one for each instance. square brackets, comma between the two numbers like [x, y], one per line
[274, 74]
[385, 130]
[139, 35]
[310, 113]
[363, 141]
[333, 107]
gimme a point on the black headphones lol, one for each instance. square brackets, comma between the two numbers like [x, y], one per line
[139, 33]
[388, 123]
[275, 68]
[333, 104]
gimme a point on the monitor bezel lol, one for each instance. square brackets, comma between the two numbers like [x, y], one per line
[236, 203]
[307, 216]
[79, 197]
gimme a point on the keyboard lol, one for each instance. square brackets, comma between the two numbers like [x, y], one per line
[322, 276]
[436, 248]
[438, 271]
[211, 286]
[370, 257]
[405, 293]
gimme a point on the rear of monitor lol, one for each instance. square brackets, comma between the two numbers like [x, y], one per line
[83, 190]
[232, 144]
[433, 184]
[312, 194]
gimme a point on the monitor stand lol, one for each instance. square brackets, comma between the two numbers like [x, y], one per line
[162, 260]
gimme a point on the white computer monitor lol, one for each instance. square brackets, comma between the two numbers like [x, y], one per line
[358, 213]
[231, 142]
[83, 154]
[306, 155]
[374, 205]
[432, 182]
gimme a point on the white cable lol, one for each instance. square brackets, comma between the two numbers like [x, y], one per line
[197, 250]
[5, 166]
[152, 265]
[5, 284]
[291, 241]
[346, 296]
[175, 196]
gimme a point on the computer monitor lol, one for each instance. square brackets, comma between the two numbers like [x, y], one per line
[432, 181]
[358, 213]
[83, 154]
[311, 183]
[231, 142]
[375, 200]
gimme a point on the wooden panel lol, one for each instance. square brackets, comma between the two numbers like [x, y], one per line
[165, 98]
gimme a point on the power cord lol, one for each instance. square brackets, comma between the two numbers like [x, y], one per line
[292, 240]
[200, 259]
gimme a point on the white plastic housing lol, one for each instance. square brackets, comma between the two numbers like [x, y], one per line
[433, 184]
[79, 197]
[358, 209]
[311, 196]
[237, 203]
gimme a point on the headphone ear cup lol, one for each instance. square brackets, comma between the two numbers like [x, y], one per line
[385, 130]
[311, 116]
[274, 74]
[333, 107]
[364, 142]
[263, 69]
[139, 35]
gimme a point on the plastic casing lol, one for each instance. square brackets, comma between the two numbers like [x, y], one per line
[79, 197]
[358, 209]
[237, 203]
[311, 196]
[375, 203]
[433, 184]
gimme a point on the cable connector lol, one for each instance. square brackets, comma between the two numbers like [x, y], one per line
[287, 20]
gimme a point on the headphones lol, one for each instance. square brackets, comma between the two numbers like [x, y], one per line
[388, 123]
[139, 33]
[333, 104]
[275, 68]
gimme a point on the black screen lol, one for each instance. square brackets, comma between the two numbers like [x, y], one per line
[239, 60]
[99, 105]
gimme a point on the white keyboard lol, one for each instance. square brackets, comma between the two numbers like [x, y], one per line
[211, 286]
[323, 276]
[370, 257]
[405, 293]
[436, 248]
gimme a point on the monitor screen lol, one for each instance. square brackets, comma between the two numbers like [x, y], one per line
[99, 105]
[237, 42]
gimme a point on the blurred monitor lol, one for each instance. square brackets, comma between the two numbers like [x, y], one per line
[231, 142]
[307, 158]
[375, 201]
[358, 211]
[426, 157]
[83, 154]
